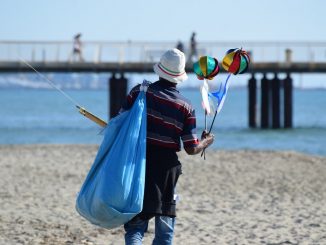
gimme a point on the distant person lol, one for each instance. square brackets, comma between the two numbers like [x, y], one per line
[77, 49]
[193, 48]
[180, 46]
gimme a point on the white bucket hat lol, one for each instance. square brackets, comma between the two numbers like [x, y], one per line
[172, 66]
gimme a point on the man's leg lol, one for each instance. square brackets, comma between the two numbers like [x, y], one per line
[164, 230]
[135, 230]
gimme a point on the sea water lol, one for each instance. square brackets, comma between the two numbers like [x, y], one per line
[44, 116]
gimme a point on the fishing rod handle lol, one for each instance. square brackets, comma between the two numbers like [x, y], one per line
[92, 117]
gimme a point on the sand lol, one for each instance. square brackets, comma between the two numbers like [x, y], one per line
[234, 197]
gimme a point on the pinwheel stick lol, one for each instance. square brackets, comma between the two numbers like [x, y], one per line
[210, 130]
[205, 129]
[219, 107]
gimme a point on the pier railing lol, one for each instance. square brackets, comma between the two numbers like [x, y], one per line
[130, 51]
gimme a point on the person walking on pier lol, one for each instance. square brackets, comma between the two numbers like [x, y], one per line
[170, 119]
[77, 49]
[193, 48]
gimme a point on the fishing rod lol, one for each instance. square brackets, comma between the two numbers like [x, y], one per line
[81, 109]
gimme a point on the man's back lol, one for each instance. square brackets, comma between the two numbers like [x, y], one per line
[170, 116]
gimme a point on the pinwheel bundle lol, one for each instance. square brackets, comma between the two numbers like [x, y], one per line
[236, 61]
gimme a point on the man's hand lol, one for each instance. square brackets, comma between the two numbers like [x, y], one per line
[206, 141]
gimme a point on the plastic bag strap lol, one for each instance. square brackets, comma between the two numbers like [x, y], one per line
[144, 86]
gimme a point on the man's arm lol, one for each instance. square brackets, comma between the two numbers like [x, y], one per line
[207, 140]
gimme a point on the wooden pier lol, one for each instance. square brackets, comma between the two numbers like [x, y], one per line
[276, 103]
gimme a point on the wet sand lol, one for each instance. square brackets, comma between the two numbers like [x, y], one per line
[234, 197]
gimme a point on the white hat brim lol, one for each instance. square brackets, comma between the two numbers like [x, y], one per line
[172, 79]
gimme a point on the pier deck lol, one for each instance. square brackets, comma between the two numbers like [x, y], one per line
[143, 67]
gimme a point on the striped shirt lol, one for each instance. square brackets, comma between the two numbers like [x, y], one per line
[170, 116]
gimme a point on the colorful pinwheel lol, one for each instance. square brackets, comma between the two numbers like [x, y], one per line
[206, 68]
[236, 61]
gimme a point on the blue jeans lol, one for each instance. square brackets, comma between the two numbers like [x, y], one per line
[164, 228]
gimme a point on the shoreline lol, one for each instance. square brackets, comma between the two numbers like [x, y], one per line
[234, 197]
[211, 150]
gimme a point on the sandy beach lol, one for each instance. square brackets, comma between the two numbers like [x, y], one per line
[234, 197]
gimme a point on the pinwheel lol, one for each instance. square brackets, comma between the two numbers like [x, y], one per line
[206, 68]
[236, 61]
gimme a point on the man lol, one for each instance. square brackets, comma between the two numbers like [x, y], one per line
[170, 117]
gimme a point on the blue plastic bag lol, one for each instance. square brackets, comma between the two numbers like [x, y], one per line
[113, 191]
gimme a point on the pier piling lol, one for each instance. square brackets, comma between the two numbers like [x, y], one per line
[252, 90]
[287, 83]
[118, 92]
[275, 102]
[264, 121]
